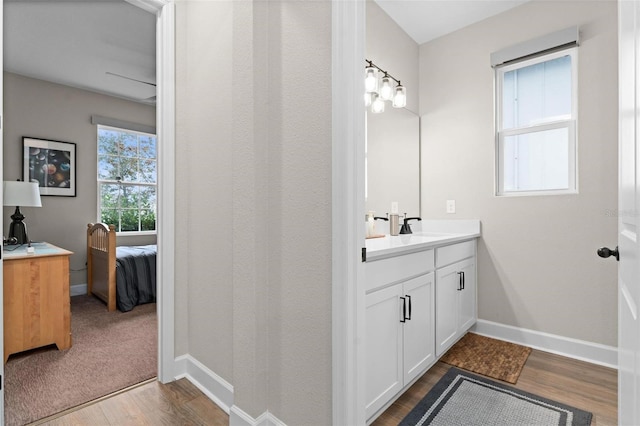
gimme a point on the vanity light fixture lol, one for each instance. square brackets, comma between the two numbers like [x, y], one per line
[400, 97]
[377, 104]
[367, 99]
[371, 79]
[378, 90]
[386, 90]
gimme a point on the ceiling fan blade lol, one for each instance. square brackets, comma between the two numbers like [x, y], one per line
[129, 78]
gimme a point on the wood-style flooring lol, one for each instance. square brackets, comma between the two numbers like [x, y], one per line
[586, 386]
[176, 403]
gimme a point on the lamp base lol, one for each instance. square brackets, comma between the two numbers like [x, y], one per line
[17, 228]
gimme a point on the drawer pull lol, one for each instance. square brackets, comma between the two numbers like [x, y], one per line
[409, 297]
[460, 281]
[404, 310]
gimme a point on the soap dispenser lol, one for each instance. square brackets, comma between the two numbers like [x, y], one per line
[371, 224]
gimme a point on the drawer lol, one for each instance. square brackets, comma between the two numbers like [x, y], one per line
[450, 254]
[382, 272]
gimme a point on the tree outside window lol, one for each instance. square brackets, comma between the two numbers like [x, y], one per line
[127, 179]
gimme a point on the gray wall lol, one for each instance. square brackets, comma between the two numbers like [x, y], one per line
[253, 170]
[537, 266]
[45, 110]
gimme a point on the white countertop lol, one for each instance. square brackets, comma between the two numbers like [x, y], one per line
[426, 235]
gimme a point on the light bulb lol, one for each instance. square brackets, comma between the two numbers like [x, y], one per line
[386, 90]
[371, 80]
[400, 97]
[377, 104]
[367, 99]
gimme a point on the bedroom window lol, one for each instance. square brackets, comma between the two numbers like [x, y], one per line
[127, 179]
[536, 125]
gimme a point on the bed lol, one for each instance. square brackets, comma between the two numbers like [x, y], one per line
[123, 277]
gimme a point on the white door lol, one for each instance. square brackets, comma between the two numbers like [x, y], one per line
[417, 334]
[629, 198]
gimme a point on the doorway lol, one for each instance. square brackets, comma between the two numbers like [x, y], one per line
[162, 14]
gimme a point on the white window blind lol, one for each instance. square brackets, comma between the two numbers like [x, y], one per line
[564, 38]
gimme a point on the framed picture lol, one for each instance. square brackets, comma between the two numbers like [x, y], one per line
[50, 163]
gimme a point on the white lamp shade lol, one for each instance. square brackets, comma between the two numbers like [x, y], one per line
[400, 97]
[377, 104]
[386, 89]
[21, 194]
[367, 99]
[371, 80]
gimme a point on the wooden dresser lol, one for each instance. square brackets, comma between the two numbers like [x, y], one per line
[37, 309]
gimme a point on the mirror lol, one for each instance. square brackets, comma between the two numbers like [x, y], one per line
[393, 161]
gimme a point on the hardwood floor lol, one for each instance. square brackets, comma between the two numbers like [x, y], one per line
[176, 403]
[586, 386]
[579, 384]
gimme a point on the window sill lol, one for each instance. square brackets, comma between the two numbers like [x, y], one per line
[136, 233]
[537, 193]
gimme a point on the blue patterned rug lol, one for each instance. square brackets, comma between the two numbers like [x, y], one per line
[462, 398]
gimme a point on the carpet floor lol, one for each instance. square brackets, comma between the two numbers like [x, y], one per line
[111, 351]
[462, 398]
[490, 357]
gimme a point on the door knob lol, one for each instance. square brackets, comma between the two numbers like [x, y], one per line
[606, 252]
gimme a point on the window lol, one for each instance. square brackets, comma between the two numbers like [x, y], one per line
[536, 125]
[127, 177]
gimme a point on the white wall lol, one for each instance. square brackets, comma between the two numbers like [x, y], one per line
[204, 287]
[253, 176]
[45, 110]
[537, 265]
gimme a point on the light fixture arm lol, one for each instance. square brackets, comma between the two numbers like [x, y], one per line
[386, 74]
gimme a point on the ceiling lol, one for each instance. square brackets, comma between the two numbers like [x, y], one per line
[83, 43]
[79, 43]
[425, 20]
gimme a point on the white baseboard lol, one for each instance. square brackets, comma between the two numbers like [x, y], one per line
[78, 290]
[594, 353]
[237, 417]
[219, 391]
[213, 386]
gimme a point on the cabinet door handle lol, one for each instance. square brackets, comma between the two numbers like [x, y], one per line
[409, 297]
[463, 280]
[404, 310]
[460, 285]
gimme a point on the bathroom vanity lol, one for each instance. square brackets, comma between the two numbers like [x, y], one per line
[420, 300]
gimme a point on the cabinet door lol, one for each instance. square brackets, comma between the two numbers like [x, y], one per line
[418, 339]
[383, 351]
[467, 314]
[447, 289]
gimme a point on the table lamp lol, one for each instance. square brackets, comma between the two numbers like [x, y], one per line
[25, 194]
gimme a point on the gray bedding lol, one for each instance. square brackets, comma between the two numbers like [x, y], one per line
[135, 276]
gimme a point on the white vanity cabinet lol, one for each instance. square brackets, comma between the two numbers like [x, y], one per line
[400, 324]
[420, 299]
[456, 292]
